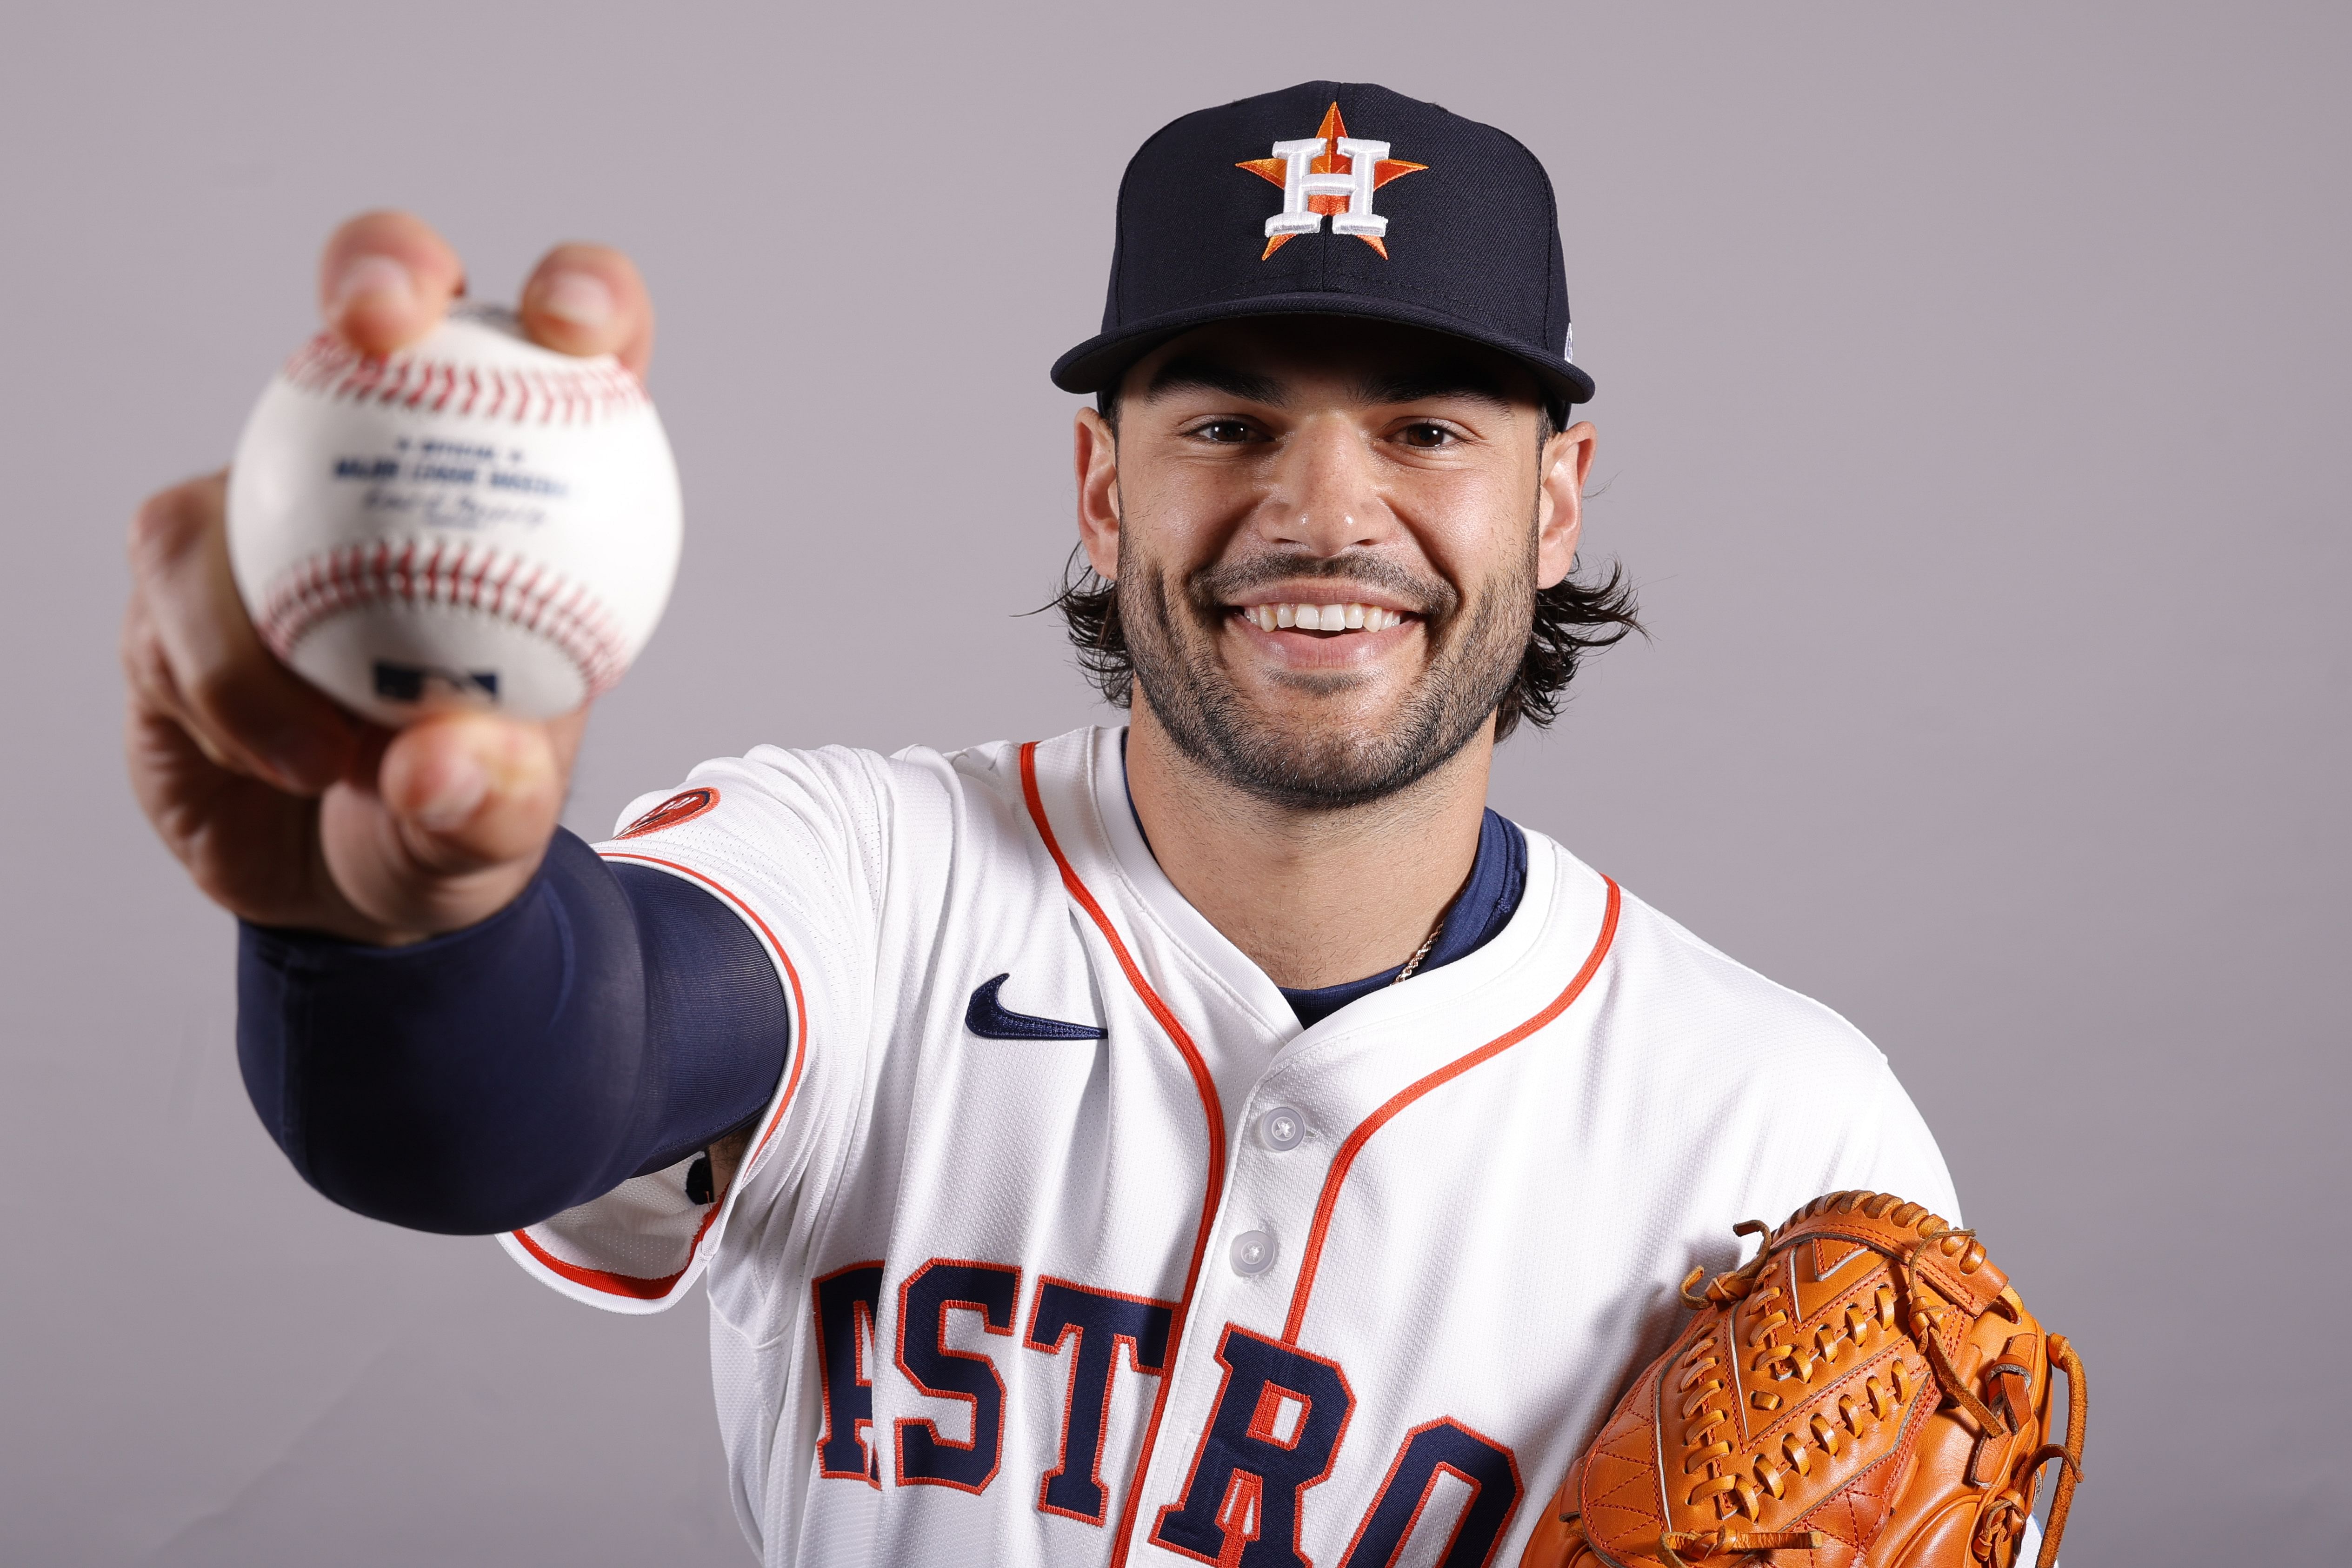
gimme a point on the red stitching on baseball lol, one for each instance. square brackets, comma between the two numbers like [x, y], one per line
[582, 394]
[563, 611]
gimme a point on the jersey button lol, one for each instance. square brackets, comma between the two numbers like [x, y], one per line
[1252, 1253]
[1281, 1128]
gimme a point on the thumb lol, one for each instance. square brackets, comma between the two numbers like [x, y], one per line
[471, 790]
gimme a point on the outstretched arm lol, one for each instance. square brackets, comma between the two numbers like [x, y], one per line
[445, 1022]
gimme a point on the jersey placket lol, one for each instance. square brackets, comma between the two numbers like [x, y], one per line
[1301, 1122]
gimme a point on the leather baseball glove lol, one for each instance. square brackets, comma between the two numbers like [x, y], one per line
[1868, 1392]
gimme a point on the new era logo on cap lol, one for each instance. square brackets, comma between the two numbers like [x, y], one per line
[1468, 245]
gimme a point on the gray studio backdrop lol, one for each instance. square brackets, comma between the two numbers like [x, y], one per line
[1972, 415]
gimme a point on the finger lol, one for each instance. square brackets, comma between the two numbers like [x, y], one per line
[588, 300]
[440, 825]
[155, 695]
[245, 842]
[192, 650]
[385, 280]
[473, 790]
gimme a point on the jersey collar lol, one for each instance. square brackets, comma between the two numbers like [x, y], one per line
[1454, 985]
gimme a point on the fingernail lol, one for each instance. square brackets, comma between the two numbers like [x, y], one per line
[376, 280]
[582, 299]
[457, 793]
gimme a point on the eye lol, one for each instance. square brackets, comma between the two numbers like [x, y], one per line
[1225, 432]
[1427, 434]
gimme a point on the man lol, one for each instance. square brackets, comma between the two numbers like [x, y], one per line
[1219, 1139]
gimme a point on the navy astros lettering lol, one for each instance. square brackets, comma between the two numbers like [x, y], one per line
[1094, 1325]
[1274, 1433]
[929, 1293]
[845, 1303]
[1280, 1417]
[1447, 1445]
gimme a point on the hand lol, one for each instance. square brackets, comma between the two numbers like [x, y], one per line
[287, 810]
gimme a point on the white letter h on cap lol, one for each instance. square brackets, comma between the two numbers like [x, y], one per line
[1297, 184]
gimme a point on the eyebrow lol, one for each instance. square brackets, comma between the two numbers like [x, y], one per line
[1410, 385]
[1422, 382]
[1181, 374]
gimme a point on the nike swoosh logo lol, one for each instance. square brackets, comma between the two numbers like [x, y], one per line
[992, 1020]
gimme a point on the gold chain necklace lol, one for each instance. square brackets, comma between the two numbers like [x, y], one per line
[1423, 950]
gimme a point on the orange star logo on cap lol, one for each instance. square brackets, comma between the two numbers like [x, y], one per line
[1319, 179]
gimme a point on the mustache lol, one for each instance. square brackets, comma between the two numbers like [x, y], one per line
[1211, 588]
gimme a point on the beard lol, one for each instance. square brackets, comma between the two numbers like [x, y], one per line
[1173, 631]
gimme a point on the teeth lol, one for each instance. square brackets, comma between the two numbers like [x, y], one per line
[1323, 617]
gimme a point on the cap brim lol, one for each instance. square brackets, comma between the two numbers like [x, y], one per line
[1101, 359]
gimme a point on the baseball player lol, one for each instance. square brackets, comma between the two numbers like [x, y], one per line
[1219, 1139]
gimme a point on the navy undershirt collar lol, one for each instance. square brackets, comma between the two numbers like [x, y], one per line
[1478, 913]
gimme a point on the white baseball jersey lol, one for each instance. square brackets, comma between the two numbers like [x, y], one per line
[1063, 1242]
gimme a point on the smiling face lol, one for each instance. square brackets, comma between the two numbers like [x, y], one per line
[1327, 535]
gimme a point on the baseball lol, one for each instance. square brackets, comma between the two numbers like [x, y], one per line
[473, 522]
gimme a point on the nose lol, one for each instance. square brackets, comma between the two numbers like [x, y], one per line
[1326, 496]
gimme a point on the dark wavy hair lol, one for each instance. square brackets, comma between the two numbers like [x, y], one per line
[1571, 620]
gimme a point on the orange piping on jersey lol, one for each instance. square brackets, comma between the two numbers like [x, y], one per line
[1210, 1106]
[1337, 1175]
[638, 1287]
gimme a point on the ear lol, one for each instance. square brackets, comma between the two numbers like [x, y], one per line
[1097, 464]
[1559, 503]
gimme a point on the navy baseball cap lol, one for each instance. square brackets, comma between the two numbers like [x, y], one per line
[1335, 199]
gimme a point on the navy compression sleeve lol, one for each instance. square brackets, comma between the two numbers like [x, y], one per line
[610, 1021]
